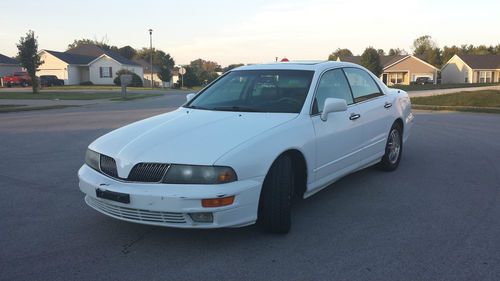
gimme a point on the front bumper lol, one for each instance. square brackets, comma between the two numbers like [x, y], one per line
[171, 204]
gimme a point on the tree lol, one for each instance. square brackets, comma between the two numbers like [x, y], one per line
[164, 62]
[427, 49]
[381, 52]
[29, 58]
[103, 43]
[165, 74]
[482, 50]
[190, 78]
[232, 66]
[433, 57]
[449, 52]
[423, 44]
[340, 53]
[201, 72]
[397, 52]
[127, 52]
[371, 60]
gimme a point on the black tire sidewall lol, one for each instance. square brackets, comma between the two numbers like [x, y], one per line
[274, 213]
[385, 164]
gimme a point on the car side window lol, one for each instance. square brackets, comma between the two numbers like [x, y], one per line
[333, 84]
[362, 84]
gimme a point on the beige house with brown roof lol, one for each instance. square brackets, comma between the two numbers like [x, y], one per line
[471, 69]
[400, 69]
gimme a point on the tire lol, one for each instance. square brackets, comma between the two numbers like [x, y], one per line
[274, 214]
[393, 149]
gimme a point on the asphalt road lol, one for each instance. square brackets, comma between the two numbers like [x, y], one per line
[435, 218]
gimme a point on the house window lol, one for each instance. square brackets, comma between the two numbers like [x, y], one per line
[484, 76]
[396, 78]
[106, 72]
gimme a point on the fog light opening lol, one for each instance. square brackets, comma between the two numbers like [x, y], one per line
[202, 217]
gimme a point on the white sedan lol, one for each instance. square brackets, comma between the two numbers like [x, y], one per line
[246, 146]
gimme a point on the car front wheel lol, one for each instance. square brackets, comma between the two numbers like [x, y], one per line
[393, 149]
[275, 202]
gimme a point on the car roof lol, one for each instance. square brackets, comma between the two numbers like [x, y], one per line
[298, 65]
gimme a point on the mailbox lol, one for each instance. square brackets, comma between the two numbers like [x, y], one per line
[125, 79]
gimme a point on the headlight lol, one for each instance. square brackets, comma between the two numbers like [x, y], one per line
[92, 159]
[187, 174]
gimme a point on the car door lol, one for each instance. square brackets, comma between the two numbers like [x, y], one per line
[338, 139]
[374, 107]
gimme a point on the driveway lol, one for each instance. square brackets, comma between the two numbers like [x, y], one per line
[435, 218]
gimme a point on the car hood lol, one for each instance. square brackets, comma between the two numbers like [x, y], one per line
[184, 136]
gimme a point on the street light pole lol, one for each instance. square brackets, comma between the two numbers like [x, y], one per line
[151, 56]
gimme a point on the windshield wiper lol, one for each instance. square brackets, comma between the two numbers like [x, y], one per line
[236, 108]
[196, 107]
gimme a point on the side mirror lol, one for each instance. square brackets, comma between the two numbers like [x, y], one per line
[190, 96]
[333, 105]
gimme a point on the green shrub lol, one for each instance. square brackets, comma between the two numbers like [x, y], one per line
[86, 83]
[136, 80]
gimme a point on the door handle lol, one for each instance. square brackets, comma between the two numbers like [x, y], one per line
[354, 116]
[387, 104]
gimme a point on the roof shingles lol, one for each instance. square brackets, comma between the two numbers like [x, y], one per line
[482, 61]
[72, 58]
[7, 60]
[96, 51]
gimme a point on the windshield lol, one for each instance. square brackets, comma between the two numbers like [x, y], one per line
[256, 91]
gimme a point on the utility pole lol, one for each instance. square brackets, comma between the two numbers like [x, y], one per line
[151, 56]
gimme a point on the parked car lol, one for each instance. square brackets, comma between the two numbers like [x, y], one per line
[247, 146]
[423, 81]
[21, 78]
[50, 80]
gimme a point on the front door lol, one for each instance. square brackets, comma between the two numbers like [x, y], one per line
[384, 78]
[339, 138]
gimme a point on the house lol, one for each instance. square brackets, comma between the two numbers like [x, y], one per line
[471, 69]
[147, 74]
[86, 63]
[400, 69]
[156, 78]
[8, 66]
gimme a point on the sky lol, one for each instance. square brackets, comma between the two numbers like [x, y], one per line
[252, 31]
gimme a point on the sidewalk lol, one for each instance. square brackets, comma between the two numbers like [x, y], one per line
[42, 103]
[437, 92]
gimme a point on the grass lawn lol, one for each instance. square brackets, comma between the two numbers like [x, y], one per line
[480, 101]
[440, 86]
[72, 96]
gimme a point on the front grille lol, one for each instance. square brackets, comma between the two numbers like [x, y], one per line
[147, 172]
[142, 172]
[108, 166]
[135, 214]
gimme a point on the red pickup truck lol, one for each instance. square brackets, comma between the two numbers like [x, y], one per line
[17, 79]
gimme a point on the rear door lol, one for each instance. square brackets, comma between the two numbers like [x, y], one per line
[375, 107]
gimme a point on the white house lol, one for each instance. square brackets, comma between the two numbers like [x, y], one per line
[86, 63]
[8, 66]
[471, 69]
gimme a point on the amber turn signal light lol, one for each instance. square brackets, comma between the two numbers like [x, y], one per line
[217, 202]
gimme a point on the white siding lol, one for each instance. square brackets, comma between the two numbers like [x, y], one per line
[106, 61]
[53, 66]
[73, 75]
[455, 71]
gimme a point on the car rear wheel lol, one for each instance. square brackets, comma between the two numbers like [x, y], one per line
[393, 149]
[275, 202]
